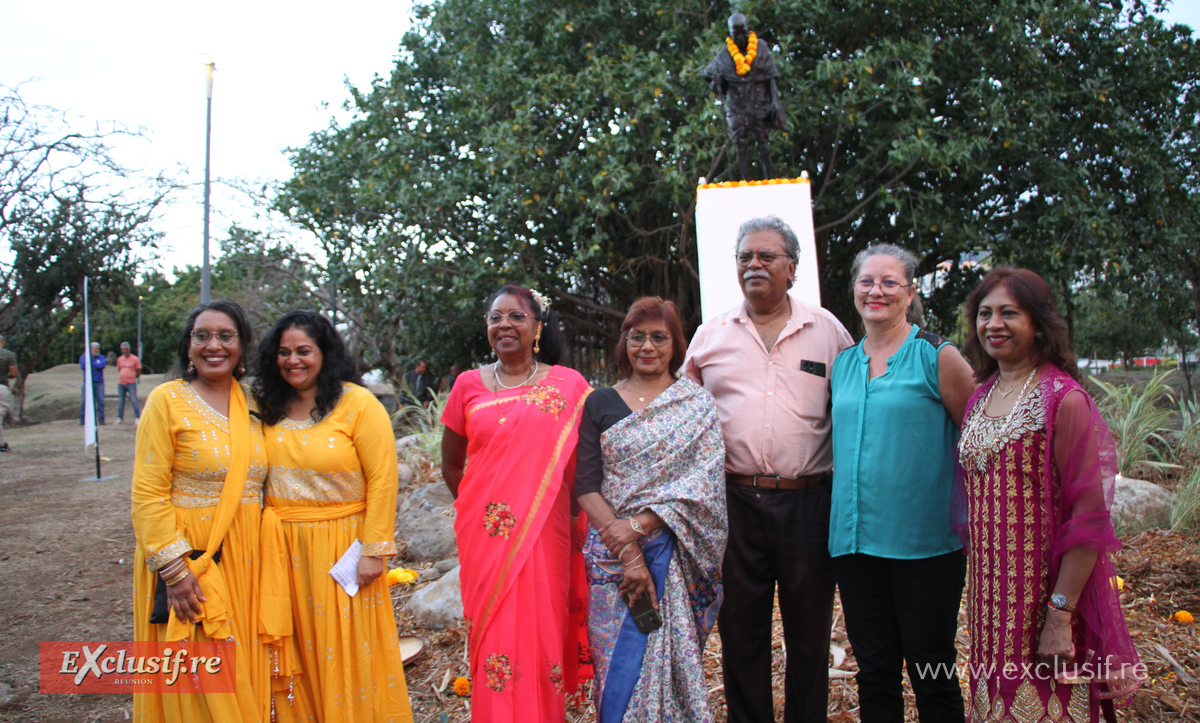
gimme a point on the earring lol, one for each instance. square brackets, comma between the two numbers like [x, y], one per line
[241, 368]
[537, 338]
[191, 367]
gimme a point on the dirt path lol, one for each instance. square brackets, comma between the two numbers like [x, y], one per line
[66, 561]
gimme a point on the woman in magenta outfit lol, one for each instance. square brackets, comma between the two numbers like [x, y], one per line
[1048, 639]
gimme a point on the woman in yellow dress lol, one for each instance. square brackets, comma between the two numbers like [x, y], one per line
[332, 484]
[197, 505]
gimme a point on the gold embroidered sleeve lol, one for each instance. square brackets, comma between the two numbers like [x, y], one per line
[154, 521]
[375, 444]
[378, 549]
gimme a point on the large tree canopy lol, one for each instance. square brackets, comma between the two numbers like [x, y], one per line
[559, 145]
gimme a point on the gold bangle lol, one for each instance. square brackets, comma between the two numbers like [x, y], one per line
[634, 567]
[636, 526]
[171, 569]
[178, 579]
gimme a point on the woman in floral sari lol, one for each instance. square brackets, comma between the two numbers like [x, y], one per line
[516, 421]
[1048, 638]
[651, 478]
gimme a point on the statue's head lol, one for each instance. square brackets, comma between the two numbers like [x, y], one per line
[739, 29]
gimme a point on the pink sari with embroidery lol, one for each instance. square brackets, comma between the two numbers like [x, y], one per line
[514, 540]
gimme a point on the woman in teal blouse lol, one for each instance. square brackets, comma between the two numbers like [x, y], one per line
[898, 399]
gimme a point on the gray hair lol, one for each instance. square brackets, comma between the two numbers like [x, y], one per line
[125, 343]
[94, 343]
[916, 310]
[791, 245]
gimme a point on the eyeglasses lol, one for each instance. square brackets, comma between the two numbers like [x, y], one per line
[657, 338]
[493, 318]
[887, 286]
[227, 337]
[765, 257]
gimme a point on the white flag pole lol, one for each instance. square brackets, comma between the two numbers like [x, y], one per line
[89, 406]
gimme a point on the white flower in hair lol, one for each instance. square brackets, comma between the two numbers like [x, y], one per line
[542, 300]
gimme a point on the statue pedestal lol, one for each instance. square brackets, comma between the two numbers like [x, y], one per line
[722, 207]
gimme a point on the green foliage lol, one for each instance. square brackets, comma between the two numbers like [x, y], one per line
[559, 144]
[1112, 325]
[426, 423]
[1185, 515]
[1139, 423]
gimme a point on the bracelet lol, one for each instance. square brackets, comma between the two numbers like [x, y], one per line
[178, 578]
[623, 549]
[635, 557]
[634, 567]
[1058, 610]
[635, 525]
[171, 569]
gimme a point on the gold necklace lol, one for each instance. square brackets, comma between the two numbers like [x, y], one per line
[1013, 388]
[497, 384]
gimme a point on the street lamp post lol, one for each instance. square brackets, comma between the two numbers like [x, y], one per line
[71, 333]
[139, 327]
[205, 283]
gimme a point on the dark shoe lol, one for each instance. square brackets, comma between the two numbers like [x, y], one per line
[5, 448]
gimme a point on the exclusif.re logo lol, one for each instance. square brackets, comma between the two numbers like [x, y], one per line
[121, 666]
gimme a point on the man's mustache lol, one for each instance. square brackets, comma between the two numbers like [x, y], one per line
[752, 274]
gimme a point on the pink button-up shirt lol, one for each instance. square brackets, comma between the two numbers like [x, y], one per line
[774, 406]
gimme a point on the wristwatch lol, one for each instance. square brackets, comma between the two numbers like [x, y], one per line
[637, 527]
[1058, 601]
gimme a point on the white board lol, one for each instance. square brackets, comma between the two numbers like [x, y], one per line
[722, 208]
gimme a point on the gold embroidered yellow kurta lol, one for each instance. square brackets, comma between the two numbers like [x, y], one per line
[182, 454]
[349, 653]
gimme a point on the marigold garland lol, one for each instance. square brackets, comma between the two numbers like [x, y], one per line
[743, 62]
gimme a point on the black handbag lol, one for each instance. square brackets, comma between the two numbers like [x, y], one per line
[161, 614]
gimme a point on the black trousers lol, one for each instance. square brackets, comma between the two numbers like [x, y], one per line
[900, 611]
[777, 537]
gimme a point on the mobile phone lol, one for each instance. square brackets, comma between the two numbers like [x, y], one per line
[644, 614]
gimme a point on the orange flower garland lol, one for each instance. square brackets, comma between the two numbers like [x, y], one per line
[743, 62]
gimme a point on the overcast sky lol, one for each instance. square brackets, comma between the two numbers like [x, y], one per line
[142, 63]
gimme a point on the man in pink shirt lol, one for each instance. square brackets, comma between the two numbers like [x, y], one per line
[129, 371]
[767, 363]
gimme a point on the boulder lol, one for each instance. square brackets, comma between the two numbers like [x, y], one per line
[431, 497]
[445, 566]
[438, 604]
[429, 575]
[430, 535]
[1139, 505]
[405, 475]
[405, 442]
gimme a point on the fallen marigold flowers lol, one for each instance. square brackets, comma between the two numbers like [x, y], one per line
[1183, 616]
[401, 576]
[462, 686]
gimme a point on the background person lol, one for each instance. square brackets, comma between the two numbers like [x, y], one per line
[197, 504]
[420, 384]
[898, 398]
[767, 364]
[8, 372]
[129, 372]
[96, 362]
[516, 421]
[650, 474]
[332, 460]
[1039, 467]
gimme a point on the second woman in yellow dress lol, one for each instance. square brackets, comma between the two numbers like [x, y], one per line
[332, 481]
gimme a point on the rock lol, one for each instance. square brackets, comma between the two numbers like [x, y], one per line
[5, 694]
[431, 497]
[430, 536]
[405, 442]
[429, 575]
[1139, 505]
[438, 604]
[445, 566]
[405, 475]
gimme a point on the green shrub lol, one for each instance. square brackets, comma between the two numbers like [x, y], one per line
[1185, 515]
[1138, 423]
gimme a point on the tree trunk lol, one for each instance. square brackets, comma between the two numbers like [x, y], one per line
[17, 413]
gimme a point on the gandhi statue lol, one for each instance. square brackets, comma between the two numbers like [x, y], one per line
[743, 75]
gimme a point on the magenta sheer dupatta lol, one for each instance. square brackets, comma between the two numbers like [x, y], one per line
[1080, 467]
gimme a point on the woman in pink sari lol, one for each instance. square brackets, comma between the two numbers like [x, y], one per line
[516, 422]
[1048, 639]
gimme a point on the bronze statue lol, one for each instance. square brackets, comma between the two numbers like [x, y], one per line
[743, 74]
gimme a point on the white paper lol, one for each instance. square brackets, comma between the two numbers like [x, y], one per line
[345, 570]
